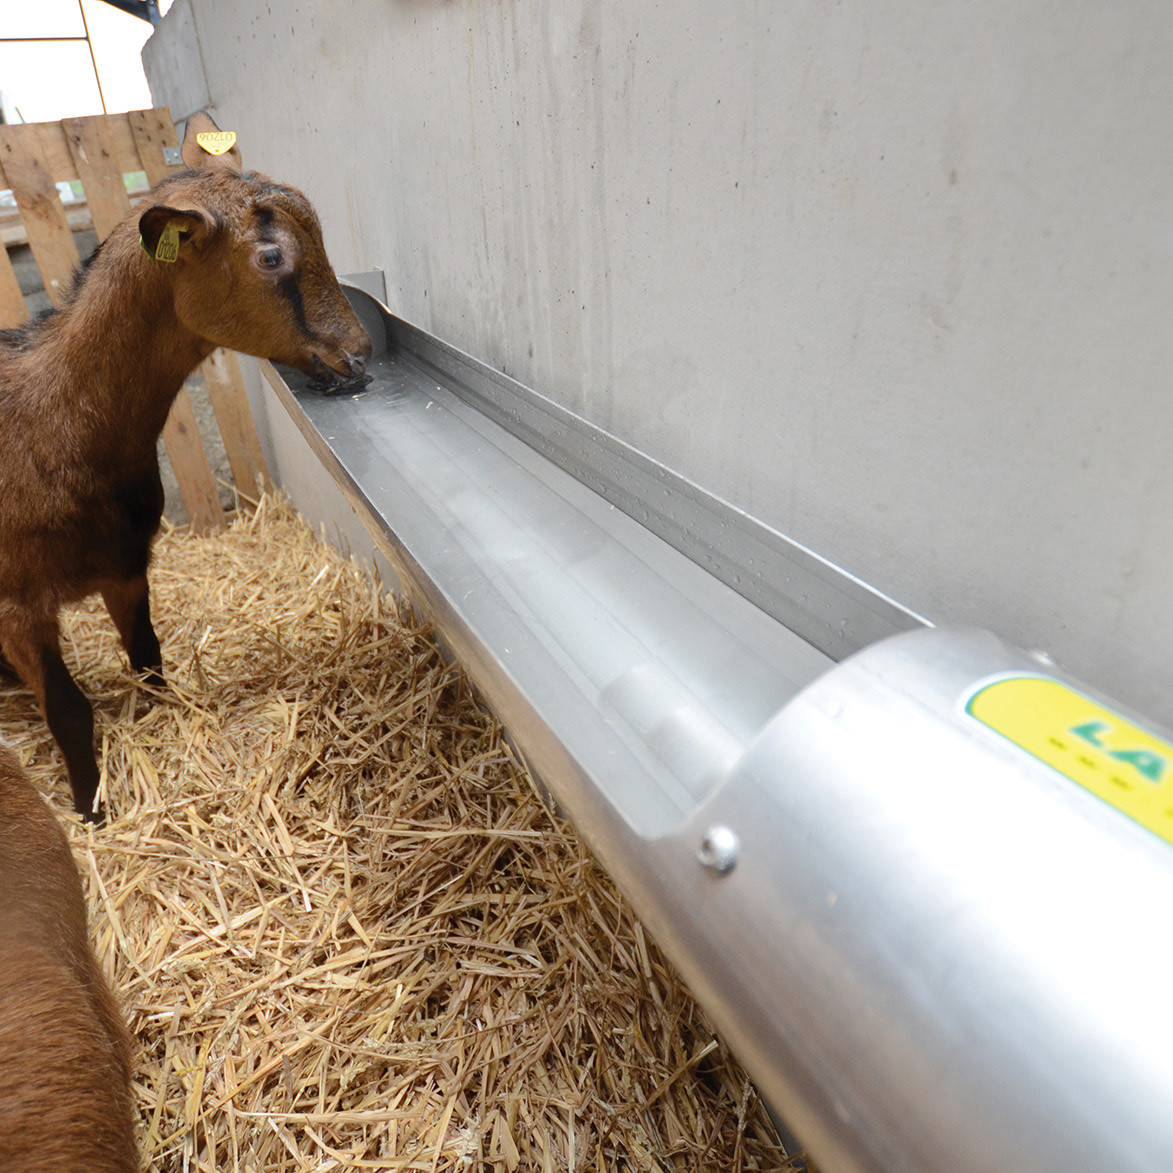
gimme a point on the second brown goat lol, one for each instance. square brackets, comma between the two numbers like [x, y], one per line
[66, 1102]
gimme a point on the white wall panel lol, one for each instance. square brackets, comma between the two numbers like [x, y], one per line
[896, 278]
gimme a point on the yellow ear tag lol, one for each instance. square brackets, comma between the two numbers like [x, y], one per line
[216, 142]
[168, 247]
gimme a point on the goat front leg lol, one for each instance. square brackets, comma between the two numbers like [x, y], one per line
[32, 645]
[129, 603]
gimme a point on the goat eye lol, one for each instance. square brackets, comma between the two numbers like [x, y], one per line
[270, 258]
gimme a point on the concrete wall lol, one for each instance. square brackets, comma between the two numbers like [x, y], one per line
[896, 278]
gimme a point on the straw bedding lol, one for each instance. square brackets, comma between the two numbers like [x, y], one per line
[347, 932]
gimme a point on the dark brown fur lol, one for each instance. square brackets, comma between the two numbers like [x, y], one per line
[84, 394]
[65, 1053]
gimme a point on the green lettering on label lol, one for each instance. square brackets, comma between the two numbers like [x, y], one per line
[1124, 764]
[1151, 765]
[1091, 730]
[1144, 761]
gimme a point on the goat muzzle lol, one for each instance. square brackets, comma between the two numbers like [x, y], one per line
[331, 381]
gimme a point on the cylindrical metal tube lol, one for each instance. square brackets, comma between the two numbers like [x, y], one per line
[924, 893]
[937, 951]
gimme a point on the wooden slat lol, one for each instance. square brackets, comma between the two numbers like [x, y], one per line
[51, 150]
[12, 308]
[238, 430]
[13, 231]
[185, 449]
[78, 214]
[58, 159]
[40, 207]
[153, 130]
[100, 171]
[122, 140]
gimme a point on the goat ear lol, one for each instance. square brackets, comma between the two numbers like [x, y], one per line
[222, 156]
[166, 233]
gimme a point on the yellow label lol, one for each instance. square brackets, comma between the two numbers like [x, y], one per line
[1104, 752]
[216, 142]
[168, 247]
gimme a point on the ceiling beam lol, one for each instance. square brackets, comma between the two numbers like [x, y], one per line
[144, 9]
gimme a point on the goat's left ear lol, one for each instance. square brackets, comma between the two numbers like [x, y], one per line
[218, 149]
[166, 233]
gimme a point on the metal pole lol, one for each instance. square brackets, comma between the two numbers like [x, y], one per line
[85, 24]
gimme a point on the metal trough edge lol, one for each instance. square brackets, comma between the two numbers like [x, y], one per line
[890, 911]
[567, 613]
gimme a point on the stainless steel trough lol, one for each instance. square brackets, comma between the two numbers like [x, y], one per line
[925, 892]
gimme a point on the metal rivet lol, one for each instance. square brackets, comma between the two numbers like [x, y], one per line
[719, 849]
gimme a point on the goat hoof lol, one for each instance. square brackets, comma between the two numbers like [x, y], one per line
[97, 818]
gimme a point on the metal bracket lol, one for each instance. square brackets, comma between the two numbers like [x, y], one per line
[144, 9]
[172, 156]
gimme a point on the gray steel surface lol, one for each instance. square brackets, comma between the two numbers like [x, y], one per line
[569, 614]
[828, 607]
[933, 952]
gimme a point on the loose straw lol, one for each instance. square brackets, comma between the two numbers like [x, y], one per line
[347, 932]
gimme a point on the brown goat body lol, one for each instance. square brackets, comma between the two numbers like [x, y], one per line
[213, 257]
[65, 1053]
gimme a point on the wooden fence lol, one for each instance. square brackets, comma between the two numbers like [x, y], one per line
[99, 151]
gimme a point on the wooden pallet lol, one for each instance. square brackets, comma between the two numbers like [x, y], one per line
[98, 151]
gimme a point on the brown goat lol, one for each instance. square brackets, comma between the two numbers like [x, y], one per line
[65, 1053]
[214, 257]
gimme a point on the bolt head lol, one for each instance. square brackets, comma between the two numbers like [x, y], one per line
[719, 849]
